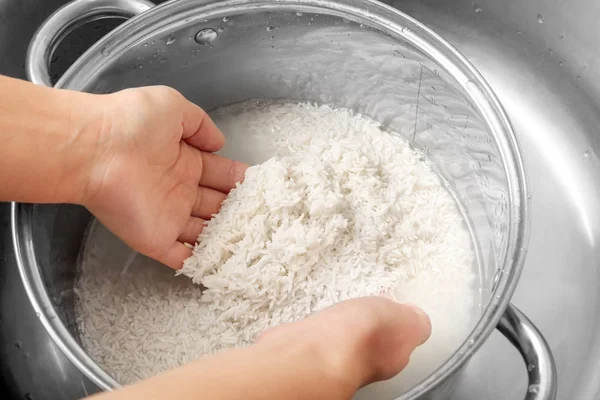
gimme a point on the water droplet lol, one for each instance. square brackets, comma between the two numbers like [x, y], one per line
[519, 32]
[562, 62]
[271, 28]
[477, 9]
[578, 77]
[18, 344]
[225, 19]
[362, 25]
[145, 44]
[529, 196]
[588, 153]
[170, 40]
[105, 52]
[540, 19]
[162, 60]
[206, 36]
[550, 51]
[220, 29]
[533, 389]
[471, 342]
[530, 367]
[28, 396]
[299, 14]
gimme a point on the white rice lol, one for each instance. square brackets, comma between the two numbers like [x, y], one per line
[342, 210]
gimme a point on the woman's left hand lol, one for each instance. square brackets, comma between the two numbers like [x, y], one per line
[153, 179]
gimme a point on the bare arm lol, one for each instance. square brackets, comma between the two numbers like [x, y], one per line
[328, 356]
[43, 149]
[140, 160]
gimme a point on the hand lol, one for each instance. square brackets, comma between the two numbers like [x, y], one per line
[153, 180]
[362, 340]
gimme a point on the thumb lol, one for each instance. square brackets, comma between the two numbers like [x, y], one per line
[388, 336]
[199, 130]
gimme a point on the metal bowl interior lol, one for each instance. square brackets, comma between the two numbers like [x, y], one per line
[360, 55]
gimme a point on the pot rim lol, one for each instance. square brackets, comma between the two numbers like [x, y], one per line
[174, 14]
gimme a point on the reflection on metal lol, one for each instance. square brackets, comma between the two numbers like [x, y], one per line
[539, 364]
[63, 21]
[458, 122]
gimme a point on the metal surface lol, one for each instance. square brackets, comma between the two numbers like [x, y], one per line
[65, 20]
[524, 335]
[544, 75]
[464, 130]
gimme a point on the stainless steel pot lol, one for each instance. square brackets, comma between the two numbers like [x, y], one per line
[350, 53]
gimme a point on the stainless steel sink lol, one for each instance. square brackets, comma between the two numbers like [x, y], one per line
[541, 58]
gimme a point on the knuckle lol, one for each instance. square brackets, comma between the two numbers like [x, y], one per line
[199, 200]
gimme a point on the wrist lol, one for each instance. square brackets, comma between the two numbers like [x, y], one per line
[48, 142]
[83, 115]
[330, 361]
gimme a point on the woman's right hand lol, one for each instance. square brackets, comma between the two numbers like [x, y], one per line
[365, 340]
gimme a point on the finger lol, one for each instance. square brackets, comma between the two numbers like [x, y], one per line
[192, 229]
[175, 256]
[208, 202]
[422, 324]
[221, 173]
[402, 328]
[199, 130]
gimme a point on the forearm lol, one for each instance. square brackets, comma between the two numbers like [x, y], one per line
[295, 371]
[45, 142]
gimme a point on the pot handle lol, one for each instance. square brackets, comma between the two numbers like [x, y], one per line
[63, 21]
[534, 349]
